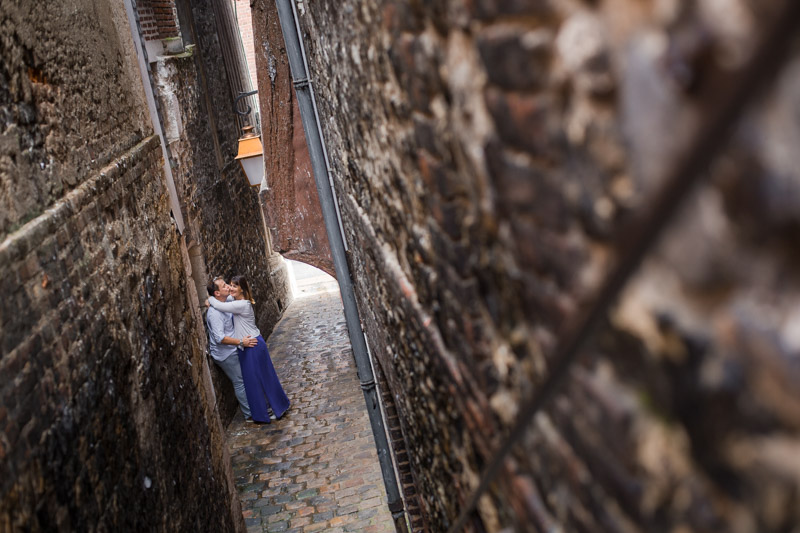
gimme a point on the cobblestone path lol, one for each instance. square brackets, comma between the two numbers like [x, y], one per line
[315, 469]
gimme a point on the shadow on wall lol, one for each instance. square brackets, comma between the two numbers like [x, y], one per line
[307, 280]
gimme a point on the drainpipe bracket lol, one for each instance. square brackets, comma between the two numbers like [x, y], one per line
[301, 83]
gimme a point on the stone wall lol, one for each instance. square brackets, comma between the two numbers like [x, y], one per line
[108, 416]
[223, 216]
[486, 155]
[50, 57]
[223, 213]
[106, 420]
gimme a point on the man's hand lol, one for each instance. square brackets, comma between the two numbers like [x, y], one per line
[207, 304]
[249, 341]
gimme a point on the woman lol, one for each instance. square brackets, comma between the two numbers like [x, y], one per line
[260, 380]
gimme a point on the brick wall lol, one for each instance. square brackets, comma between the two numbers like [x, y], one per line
[291, 205]
[245, 20]
[486, 155]
[158, 19]
[406, 480]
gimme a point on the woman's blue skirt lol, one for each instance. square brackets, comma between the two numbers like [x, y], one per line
[261, 383]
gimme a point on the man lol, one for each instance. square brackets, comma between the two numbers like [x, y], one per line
[223, 344]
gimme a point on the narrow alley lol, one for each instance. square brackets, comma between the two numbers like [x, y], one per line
[315, 469]
[567, 233]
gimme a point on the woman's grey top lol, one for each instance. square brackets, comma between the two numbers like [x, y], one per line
[244, 319]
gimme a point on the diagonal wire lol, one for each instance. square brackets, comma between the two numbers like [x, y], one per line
[710, 138]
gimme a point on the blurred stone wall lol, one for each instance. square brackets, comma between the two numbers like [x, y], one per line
[486, 154]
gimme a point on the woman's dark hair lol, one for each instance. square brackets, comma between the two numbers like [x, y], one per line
[241, 282]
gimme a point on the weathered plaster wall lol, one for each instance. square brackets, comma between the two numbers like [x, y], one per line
[291, 206]
[485, 155]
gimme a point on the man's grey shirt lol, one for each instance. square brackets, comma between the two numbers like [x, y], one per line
[220, 325]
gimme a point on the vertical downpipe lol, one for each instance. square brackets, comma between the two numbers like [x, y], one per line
[313, 132]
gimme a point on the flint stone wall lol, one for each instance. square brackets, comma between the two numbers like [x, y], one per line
[486, 154]
[62, 119]
[222, 213]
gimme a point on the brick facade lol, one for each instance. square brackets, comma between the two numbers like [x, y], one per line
[158, 19]
[486, 156]
[245, 20]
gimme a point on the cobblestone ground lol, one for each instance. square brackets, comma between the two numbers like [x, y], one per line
[315, 469]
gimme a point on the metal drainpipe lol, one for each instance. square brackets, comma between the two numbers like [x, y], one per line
[319, 164]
